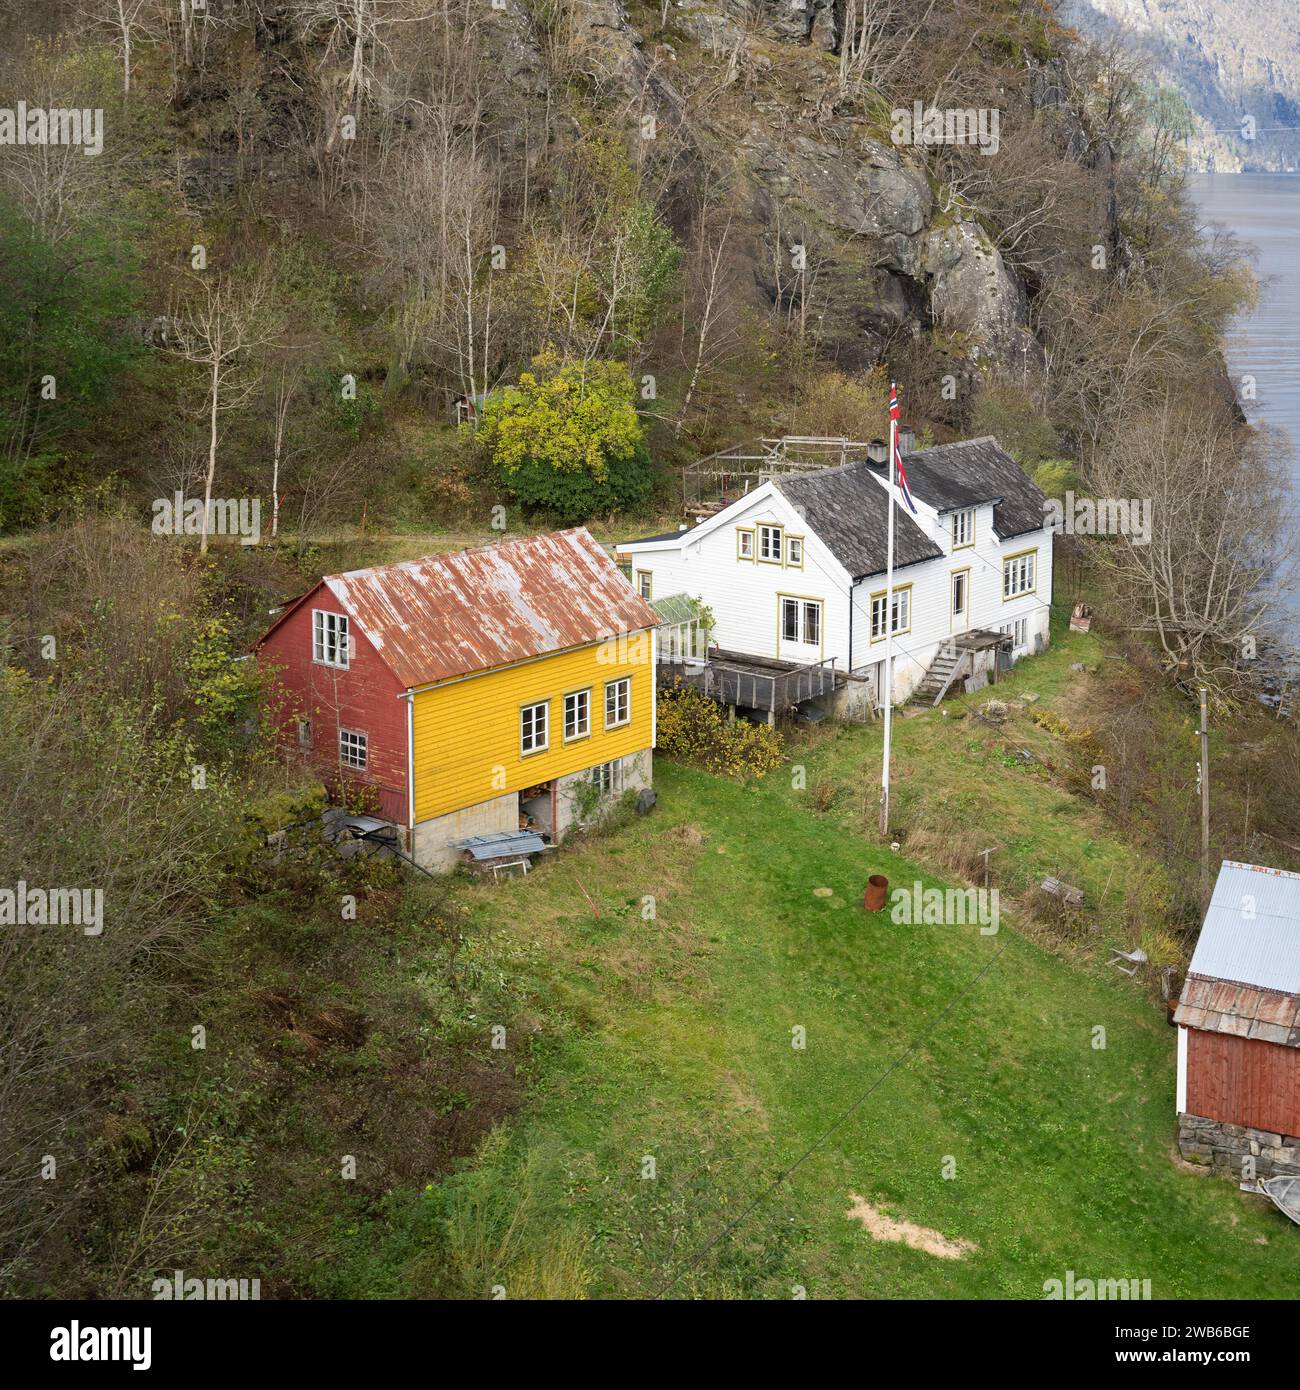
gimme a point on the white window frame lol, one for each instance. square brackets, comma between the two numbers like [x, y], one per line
[623, 698]
[354, 743]
[802, 608]
[744, 542]
[331, 640]
[528, 728]
[645, 584]
[794, 552]
[577, 700]
[963, 528]
[609, 777]
[771, 543]
[902, 605]
[1019, 574]
[1018, 630]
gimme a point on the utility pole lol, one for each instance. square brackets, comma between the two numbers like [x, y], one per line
[1204, 779]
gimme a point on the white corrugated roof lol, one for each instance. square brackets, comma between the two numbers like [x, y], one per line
[1252, 929]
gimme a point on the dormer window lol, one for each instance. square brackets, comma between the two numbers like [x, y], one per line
[963, 528]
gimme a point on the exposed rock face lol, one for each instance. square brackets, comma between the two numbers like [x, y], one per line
[973, 294]
[808, 179]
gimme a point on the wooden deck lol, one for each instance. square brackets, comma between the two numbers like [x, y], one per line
[753, 682]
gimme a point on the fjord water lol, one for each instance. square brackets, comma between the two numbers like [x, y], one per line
[1263, 210]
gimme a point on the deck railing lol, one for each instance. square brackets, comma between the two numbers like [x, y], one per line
[736, 682]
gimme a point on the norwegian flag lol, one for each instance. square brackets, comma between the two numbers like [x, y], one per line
[900, 471]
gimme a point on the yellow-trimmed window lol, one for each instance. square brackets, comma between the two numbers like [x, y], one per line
[769, 543]
[902, 612]
[744, 542]
[1019, 574]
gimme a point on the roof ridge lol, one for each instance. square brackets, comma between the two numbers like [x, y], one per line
[1258, 868]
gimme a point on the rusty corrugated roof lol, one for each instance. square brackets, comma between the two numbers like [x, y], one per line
[1222, 1006]
[450, 615]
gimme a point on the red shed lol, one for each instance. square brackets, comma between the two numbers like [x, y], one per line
[1239, 1027]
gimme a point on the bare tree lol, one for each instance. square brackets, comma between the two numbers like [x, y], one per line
[1218, 560]
[221, 329]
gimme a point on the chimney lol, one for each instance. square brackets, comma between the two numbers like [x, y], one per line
[906, 439]
[878, 451]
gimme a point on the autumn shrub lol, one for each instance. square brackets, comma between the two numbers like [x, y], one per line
[567, 440]
[693, 729]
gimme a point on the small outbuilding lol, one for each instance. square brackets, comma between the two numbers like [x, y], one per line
[1239, 1028]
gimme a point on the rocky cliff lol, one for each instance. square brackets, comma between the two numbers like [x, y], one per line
[807, 174]
[1229, 62]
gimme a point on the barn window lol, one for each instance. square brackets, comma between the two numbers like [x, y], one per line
[534, 733]
[352, 748]
[330, 643]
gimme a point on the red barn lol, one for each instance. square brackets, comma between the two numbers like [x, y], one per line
[1239, 1027]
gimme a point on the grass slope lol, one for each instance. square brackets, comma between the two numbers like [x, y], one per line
[671, 1039]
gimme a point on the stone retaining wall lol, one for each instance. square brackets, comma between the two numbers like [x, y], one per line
[1223, 1147]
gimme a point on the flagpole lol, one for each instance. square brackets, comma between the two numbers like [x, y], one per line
[888, 693]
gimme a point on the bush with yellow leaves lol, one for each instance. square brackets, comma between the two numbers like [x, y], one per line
[693, 729]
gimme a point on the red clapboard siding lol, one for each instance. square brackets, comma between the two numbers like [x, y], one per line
[1243, 1081]
[364, 699]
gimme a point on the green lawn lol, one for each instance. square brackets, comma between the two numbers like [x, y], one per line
[671, 1039]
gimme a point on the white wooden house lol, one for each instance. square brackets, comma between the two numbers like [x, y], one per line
[794, 571]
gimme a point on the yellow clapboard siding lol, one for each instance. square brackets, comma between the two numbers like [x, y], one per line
[466, 732]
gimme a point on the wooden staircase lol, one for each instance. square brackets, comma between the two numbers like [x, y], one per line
[944, 670]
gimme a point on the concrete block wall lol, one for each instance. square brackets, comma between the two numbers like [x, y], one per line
[434, 840]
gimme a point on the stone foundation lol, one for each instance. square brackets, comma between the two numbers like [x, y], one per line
[1223, 1147]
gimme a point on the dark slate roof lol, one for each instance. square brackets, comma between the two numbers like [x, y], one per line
[848, 510]
[973, 473]
[662, 536]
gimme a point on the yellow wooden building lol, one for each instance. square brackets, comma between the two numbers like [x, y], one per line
[488, 691]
